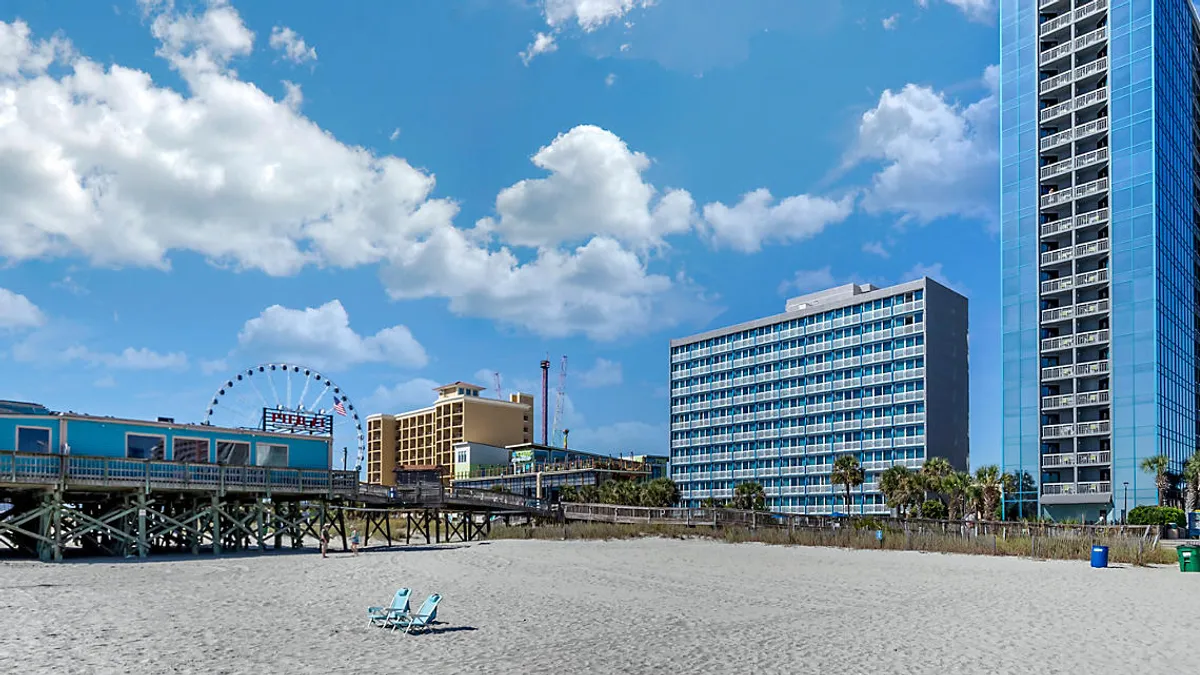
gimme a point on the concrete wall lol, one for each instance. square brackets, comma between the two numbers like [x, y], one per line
[947, 386]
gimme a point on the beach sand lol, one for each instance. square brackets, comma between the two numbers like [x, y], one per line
[653, 605]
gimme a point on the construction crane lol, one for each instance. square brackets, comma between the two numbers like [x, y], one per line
[499, 387]
[559, 422]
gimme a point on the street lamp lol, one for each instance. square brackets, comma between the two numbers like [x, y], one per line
[1125, 506]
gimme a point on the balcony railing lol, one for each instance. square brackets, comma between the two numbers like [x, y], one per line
[1046, 114]
[1090, 308]
[1058, 285]
[1093, 38]
[1058, 431]
[1093, 428]
[1051, 460]
[1096, 126]
[1057, 372]
[1099, 276]
[1095, 337]
[1093, 157]
[1055, 53]
[1058, 314]
[1094, 247]
[1098, 488]
[1051, 170]
[1056, 226]
[1091, 368]
[1058, 255]
[1055, 140]
[1061, 21]
[1090, 189]
[1053, 402]
[1099, 397]
[1090, 9]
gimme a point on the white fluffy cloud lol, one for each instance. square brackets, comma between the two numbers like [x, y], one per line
[939, 158]
[101, 162]
[595, 188]
[758, 219]
[603, 373]
[291, 46]
[589, 15]
[16, 310]
[321, 337]
[809, 281]
[403, 396]
[128, 359]
[543, 43]
[983, 11]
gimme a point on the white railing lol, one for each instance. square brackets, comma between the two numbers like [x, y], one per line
[1055, 110]
[1099, 397]
[1058, 431]
[1054, 24]
[1056, 168]
[1089, 69]
[1057, 372]
[1095, 37]
[1056, 198]
[1058, 314]
[1089, 158]
[1094, 247]
[1094, 277]
[1058, 285]
[1055, 140]
[1093, 188]
[1056, 226]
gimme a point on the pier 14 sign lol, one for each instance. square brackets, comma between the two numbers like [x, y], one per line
[292, 422]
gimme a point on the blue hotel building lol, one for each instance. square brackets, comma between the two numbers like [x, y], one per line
[1099, 227]
[880, 373]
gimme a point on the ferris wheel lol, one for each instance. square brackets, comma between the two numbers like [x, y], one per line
[291, 398]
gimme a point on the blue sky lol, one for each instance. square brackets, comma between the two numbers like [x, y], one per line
[403, 194]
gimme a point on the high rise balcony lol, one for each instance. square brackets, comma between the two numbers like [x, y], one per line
[1051, 112]
[1099, 397]
[1053, 54]
[1090, 9]
[1059, 81]
[1097, 67]
[1051, 373]
[1089, 158]
[1055, 169]
[1091, 368]
[1057, 226]
[1051, 26]
[1091, 218]
[1091, 189]
[1094, 488]
[1057, 255]
[1096, 37]
[1067, 459]
[1091, 308]
[1058, 285]
[1096, 126]
[1092, 278]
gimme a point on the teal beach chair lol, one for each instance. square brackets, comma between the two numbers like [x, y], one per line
[378, 616]
[420, 621]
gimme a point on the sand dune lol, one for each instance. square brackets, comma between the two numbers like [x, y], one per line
[602, 607]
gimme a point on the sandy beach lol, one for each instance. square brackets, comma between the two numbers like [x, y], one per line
[604, 607]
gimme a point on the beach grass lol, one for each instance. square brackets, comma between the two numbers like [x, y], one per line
[1122, 550]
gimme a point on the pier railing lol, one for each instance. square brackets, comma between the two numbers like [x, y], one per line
[77, 471]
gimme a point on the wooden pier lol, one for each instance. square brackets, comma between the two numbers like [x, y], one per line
[132, 508]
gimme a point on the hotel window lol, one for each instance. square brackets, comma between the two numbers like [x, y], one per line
[189, 449]
[142, 446]
[270, 454]
[33, 439]
[233, 452]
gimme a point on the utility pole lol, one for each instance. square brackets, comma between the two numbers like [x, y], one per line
[344, 451]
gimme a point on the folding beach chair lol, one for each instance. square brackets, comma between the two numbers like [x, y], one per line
[420, 621]
[378, 616]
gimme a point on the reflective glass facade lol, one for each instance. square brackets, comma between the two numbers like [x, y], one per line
[845, 371]
[1098, 231]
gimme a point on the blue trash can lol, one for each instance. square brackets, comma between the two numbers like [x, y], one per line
[1099, 556]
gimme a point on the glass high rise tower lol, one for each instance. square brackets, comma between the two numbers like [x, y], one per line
[1099, 232]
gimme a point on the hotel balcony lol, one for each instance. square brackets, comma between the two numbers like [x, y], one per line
[1099, 428]
[1049, 56]
[1091, 9]
[1069, 459]
[1092, 39]
[1077, 493]
[1058, 23]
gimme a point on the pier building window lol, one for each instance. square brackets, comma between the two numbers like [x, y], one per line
[145, 446]
[190, 449]
[270, 454]
[33, 439]
[233, 452]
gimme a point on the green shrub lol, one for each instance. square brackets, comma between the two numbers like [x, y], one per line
[1157, 515]
[933, 509]
[868, 524]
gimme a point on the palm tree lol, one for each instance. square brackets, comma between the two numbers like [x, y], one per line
[990, 483]
[1158, 465]
[749, 496]
[957, 486]
[1191, 479]
[660, 492]
[934, 471]
[848, 473]
[897, 484]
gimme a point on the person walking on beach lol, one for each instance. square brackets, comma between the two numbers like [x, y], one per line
[354, 540]
[325, 542]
